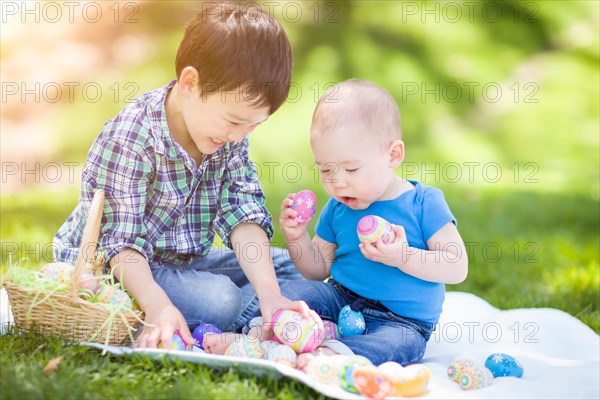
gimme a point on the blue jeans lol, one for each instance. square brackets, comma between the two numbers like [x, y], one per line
[388, 337]
[213, 289]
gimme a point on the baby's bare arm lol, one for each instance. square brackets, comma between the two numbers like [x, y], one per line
[445, 260]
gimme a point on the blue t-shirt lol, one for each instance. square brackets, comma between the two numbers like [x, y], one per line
[422, 211]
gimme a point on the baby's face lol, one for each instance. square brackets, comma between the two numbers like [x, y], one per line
[355, 169]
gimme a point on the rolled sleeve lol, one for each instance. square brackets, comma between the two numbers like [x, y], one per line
[242, 199]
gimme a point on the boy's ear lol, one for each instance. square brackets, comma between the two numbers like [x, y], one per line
[396, 152]
[188, 80]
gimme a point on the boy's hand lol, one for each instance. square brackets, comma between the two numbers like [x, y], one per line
[162, 321]
[292, 230]
[268, 306]
[394, 254]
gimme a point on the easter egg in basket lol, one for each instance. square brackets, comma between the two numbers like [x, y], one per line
[62, 273]
[113, 295]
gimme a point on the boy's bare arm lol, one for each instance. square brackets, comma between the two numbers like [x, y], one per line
[162, 317]
[445, 261]
[252, 249]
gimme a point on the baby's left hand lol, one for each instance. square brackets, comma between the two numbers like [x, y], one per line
[394, 254]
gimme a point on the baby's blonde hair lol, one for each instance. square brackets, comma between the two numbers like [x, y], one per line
[361, 103]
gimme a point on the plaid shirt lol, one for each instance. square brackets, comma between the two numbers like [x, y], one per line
[158, 200]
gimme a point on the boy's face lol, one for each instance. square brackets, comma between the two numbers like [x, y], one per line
[215, 119]
[355, 169]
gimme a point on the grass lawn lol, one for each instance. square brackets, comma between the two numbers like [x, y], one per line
[526, 249]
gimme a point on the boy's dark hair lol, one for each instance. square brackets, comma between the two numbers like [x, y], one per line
[237, 46]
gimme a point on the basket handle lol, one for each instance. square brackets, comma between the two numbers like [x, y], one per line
[89, 240]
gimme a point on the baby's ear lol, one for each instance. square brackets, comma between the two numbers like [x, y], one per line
[396, 152]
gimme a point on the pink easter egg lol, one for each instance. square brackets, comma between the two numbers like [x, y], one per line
[371, 228]
[305, 204]
[89, 282]
[296, 331]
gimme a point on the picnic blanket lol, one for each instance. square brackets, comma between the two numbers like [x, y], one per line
[560, 355]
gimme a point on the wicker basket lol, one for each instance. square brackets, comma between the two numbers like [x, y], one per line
[66, 314]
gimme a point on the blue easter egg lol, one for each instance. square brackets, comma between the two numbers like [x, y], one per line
[350, 322]
[504, 365]
[201, 330]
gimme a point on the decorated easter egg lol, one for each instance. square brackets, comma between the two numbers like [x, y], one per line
[113, 295]
[326, 369]
[245, 347]
[470, 374]
[331, 331]
[266, 344]
[89, 282]
[296, 331]
[59, 272]
[305, 204]
[504, 365]
[282, 354]
[62, 273]
[457, 367]
[351, 322]
[345, 374]
[177, 343]
[409, 381]
[371, 383]
[201, 330]
[372, 228]
[391, 368]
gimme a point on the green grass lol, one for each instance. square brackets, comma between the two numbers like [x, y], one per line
[83, 373]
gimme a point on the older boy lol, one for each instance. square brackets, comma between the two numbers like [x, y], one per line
[175, 169]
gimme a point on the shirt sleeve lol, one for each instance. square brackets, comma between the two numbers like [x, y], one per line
[124, 174]
[436, 212]
[242, 199]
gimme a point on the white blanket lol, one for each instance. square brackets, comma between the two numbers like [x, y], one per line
[560, 354]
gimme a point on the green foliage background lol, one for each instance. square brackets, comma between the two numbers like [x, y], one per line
[499, 102]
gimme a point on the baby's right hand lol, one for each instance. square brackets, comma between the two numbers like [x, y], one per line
[292, 229]
[162, 320]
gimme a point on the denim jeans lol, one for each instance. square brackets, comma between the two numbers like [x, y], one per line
[213, 289]
[388, 337]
